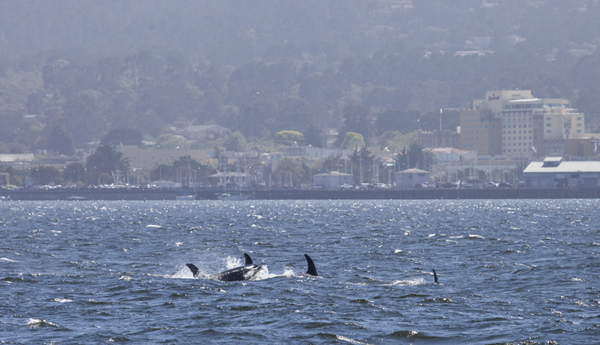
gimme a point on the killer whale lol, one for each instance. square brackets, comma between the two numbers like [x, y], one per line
[436, 281]
[312, 269]
[246, 272]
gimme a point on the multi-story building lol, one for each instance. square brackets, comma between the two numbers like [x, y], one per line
[525, 126]
[539, 126]
[480, 132]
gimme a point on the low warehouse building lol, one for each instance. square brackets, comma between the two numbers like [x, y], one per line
[332, 180]
[553, 172]
[409, 178]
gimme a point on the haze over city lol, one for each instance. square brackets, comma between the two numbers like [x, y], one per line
[227, 77]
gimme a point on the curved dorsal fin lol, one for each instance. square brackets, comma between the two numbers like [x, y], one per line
[312, 269]
[435, 277]
[248, 260]
[194, 269]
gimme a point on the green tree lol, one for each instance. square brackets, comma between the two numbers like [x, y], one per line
[236, 142]
[295, 114]
[288, 138]
[170, 141]
[291, 172]
[74, 173]
[353, 140]
[362, 161]
[59, 139]
[125, 136]
[413, 157]
[106, 160]
[85, 117]
[314, 135]
[397, 120]
[44, 175]
[258, 116]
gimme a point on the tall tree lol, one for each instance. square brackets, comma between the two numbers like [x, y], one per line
[59, 139]
[106, 160]
[85, 117]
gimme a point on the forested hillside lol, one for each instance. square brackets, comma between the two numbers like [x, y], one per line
[258, 67]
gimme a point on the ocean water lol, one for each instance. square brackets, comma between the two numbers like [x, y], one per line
[510, 272]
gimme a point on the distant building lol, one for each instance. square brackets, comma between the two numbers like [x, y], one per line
[450, 155]
[204, 132]
[480, 132]
[332, 180]
[314, 152]
[411, 177]
[164, 184]
[529, 126]
[554, 172]
[437, 138]
[16, 158]
[149, 158]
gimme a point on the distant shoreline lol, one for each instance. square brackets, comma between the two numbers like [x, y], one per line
[304, 194]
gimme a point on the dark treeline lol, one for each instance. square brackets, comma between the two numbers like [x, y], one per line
[372, 67]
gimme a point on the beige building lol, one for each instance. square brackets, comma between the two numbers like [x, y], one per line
[148, 158]
[529, 126]
[439, 138]
[480, 132]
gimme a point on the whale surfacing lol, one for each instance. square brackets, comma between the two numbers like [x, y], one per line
[246, 272]
[312, 269]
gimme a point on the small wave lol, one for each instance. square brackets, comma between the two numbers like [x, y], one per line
[62, 300]
[40, 323]
[7, 260]
[93, 301]
[411, 282]
[351, 341]
[154, 226]
[477, 237]
[125, 278]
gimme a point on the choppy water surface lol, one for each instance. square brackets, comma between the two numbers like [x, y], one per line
[93, 272]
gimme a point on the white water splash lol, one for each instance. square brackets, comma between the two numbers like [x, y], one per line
[39, 323]
[62, 300]
[410, 282]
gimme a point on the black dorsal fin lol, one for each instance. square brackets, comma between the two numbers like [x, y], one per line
[435, 277]
[194, 269]
[312, 269]
[248, 260]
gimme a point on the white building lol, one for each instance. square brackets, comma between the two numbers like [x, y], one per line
[554, 172]
[409, 178]
[529, 124]
[332, 180]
